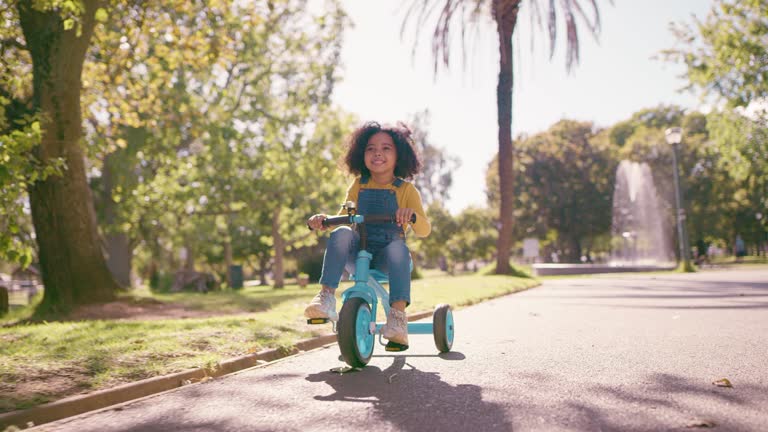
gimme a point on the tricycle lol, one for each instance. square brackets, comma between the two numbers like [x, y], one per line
[357, 326]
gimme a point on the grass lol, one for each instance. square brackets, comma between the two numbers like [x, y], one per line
[43, 362]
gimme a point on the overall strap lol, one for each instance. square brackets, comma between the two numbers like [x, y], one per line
[398, 181]
[364, 179]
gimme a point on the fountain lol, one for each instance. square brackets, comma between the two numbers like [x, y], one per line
[640, 235]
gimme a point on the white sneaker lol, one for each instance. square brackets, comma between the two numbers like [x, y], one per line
[323, 305]
[396, 328]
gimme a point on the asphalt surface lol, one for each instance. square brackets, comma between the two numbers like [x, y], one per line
[617, 352]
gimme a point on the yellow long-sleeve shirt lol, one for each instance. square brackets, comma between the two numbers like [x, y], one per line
[407, 197]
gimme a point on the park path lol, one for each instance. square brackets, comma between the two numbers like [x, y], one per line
[619, 352]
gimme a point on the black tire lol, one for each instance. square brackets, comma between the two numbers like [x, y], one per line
[354, 337]
[442, 327]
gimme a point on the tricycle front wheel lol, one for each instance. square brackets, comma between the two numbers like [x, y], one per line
[442, 325]
[354, 336]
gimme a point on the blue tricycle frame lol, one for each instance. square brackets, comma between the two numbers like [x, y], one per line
[357, 324]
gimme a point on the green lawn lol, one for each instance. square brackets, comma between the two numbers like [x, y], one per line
[42, 362]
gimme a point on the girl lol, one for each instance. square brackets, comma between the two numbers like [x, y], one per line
[381, 158]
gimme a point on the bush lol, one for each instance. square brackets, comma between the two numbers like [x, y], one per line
[161, 282]
[416, 273]
[312, 265]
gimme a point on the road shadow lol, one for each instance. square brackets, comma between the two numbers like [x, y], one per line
[414, 400]
[659, 401]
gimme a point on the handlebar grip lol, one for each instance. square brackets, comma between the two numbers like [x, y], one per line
[332, 221]
[336, 220]
[380, 218]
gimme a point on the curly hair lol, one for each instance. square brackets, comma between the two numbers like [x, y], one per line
[408, 163]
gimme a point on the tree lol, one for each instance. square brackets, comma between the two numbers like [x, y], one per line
[56, 36]
[432, 249]
[136, 121]
[725, 58]
[565, 184]
[435, 180]
[725, 55]
[504, 14]
[474, 237]
[742, 144]
[177, 160]
[709, 186]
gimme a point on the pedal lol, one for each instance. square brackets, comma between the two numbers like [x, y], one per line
[395, 347]
[318, 321]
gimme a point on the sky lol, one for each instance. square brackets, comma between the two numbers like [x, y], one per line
[616, 76]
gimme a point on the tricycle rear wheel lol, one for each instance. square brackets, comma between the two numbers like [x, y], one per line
[442, 327]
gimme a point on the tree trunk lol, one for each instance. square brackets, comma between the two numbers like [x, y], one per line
[74, 270]
[118, 245]
[575, 250]
[505, 14]
[189, 258]
[279, 245]
[263, 262]
[228, 259]
[120, 258]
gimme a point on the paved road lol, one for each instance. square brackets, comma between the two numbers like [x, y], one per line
[624, 353]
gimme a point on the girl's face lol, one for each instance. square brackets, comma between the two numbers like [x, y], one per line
[381, 154]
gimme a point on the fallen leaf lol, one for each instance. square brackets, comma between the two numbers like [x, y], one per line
[344, 369]
[723, 382]
[700, 424]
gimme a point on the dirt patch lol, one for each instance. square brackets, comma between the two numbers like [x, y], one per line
[40, 386]
[136, 310]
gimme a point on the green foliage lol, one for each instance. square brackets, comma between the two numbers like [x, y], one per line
[416, 273]
[742, 146]
[725, 53]
[436, 177]
[210, 162]
[312, 266]
[433, 247]
[564, 182]
[161, 282]
[19, 167]
[471, 235]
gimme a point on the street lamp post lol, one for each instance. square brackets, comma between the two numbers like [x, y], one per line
[674, 136]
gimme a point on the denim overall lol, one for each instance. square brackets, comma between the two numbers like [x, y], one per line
[386, 242]
[379, 201]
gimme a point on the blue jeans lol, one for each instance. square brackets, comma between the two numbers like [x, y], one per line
[393, 259]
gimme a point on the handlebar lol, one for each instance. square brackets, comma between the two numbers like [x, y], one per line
[361, 219]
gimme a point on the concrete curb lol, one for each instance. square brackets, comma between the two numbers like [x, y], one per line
[79, 404]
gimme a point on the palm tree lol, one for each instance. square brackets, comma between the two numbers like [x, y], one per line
[504, 14]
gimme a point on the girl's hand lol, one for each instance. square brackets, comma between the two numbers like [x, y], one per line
[315, 222]
[403, 216]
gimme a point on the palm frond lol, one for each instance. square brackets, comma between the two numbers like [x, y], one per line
[449, 14]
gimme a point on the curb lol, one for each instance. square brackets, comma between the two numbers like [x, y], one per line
[79, 404]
